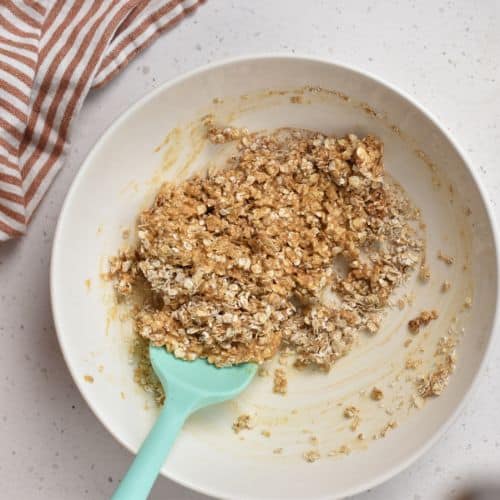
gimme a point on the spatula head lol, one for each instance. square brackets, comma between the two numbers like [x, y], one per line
[200, 377]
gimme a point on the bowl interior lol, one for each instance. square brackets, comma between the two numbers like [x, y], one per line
[120, 177]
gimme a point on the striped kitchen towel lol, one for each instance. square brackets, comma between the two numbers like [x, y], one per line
[52, 53]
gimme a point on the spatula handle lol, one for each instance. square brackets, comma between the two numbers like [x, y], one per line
[146, 466]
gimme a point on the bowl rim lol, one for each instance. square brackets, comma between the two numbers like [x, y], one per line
[56, 248]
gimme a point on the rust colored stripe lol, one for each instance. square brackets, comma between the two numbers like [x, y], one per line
[20, 14]
[110, 57]
[14, 55]
[14, 91]
[17, 113]
[7, 25]
[69, 111]
[9, 230]
[12, 214]
[8, 147]
[13, 131]
[35, 6]
[4, 161]
[148, 42]
[20, 75]
[131, 17]
[6, 195]
[61, 26]
[45, 86]
[19, 45]
[10, 179]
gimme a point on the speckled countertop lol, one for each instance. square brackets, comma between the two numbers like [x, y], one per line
[445, 54]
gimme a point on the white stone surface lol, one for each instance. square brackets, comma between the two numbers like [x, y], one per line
[445, 54]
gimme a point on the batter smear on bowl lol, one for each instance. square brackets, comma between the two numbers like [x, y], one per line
[296, 243]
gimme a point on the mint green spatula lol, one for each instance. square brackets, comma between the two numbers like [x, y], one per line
[189, 385]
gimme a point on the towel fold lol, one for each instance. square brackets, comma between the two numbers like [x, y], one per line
[51, 54]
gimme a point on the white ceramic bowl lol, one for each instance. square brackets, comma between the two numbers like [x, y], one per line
[121, 175]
